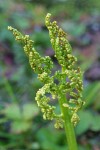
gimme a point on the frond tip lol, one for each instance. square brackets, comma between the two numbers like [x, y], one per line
[69, 79]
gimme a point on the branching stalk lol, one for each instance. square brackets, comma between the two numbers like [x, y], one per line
[69, 80]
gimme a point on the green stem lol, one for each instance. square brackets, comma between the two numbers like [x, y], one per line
[69, 129]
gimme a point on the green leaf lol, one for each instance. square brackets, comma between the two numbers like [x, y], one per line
[29, 111]
[20, 126]
[88, 121]
[13, 112]
[96, 123]
[34, 145]
[54, 140]
[85, 122]
[97, 102]
[90, 93]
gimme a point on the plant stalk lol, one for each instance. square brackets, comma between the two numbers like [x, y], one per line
[69, 128]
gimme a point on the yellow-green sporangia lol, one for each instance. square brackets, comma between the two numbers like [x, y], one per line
[69, 79]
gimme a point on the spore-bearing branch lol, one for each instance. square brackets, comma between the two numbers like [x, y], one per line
[70, 78]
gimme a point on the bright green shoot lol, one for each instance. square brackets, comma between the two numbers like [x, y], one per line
[69, 80]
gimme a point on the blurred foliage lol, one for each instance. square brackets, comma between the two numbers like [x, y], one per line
[21, 117]
[21, 124]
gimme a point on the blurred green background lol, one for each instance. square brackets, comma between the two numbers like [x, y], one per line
[21, 123]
